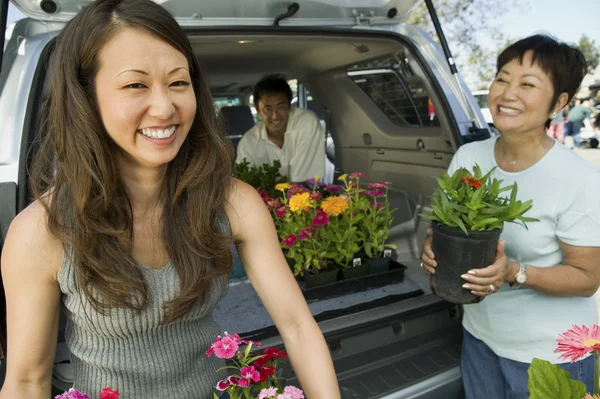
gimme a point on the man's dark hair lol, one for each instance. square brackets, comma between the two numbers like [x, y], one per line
[271, 84]
[565, 64]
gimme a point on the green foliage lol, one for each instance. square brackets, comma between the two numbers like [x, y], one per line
[591, 51]
[265, 176]
[549, 381]
[473, 202]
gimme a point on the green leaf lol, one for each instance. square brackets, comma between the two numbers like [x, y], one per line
[549, 381]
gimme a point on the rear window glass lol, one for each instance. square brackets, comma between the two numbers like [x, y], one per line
[482, 100]
[400, 94]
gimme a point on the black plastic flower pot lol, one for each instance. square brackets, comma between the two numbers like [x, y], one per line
[379, 265]
[456, 254]
[350, 271]
[321, 278]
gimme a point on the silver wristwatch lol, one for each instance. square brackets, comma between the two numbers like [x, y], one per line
[520, 277]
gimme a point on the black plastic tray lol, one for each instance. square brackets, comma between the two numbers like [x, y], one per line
[357, 284]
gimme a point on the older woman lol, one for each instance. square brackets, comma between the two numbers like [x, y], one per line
[555, 260]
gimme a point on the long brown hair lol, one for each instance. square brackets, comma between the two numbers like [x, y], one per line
[89, 210]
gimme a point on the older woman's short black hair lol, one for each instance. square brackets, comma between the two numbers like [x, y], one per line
[564, 64]
[274, 83]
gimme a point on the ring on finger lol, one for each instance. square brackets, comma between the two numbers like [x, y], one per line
[492, 288]
[421, 264]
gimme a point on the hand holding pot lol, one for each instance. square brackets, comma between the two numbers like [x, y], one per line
[427, 257]
[486, 281]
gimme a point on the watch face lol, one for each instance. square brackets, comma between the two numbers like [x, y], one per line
[521, 278]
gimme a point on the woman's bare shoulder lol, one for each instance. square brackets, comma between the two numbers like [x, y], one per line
[28, 238]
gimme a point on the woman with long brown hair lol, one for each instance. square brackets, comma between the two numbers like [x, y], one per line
[134, 216]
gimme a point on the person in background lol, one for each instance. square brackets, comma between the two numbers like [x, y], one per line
[556, 129]
[555, 260]
[134, 216]
[293, 136]
[578, 115]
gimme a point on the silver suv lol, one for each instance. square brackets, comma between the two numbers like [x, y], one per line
[394, 108]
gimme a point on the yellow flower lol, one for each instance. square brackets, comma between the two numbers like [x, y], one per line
[282, 186]
[334, 205]
[343, 177]
[300, 202]
[317, 177]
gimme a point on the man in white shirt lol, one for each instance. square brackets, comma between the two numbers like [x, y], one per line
[293, 136]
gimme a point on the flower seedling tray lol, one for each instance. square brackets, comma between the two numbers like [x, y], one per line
[354, 285]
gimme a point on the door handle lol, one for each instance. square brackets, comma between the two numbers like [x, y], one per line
[380, 151]
[437, 156]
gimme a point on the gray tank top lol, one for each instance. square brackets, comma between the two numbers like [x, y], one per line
[134, 353]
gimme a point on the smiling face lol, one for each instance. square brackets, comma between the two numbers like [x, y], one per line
[274, 111]
[144, 93]
[520, 98]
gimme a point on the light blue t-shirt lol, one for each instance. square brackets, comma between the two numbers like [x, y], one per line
[520, 324]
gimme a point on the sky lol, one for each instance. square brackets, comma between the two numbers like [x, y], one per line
[565, 19]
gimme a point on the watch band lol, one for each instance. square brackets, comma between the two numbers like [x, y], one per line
[522, 272]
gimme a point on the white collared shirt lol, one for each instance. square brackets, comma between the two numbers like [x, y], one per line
[302, 156]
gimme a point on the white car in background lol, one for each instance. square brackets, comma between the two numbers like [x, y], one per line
[481, 97]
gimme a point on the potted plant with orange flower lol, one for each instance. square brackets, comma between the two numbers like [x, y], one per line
[305, 233]
[344, 232]
[469, 210]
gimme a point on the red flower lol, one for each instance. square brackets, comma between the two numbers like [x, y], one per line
[307, 232]
[274, 353]
[356, 175]
[223, 385]
[238, 382]
[315, 195]
[290, 240]
[108, 393]
[376, 204]
[321, 219]
[471, 181]
[281, 211]
[263, 194]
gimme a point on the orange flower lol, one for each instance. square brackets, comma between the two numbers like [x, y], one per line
[334, 205]
[300, 202]
[471, 181]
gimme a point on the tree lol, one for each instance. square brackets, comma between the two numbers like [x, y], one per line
[472, 36]
[591, 52]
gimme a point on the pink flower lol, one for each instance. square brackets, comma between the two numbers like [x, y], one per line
[320, 219]
[578, 342]
[72, 394]
[375, 193]
[356, 175]
[225, 348]
[267, 393]
[315, 195]
[377, 186]
[281, 211]
[223, 385]
[238, 382]
[290, 240]
[108, 393]
[306, 233]
[273, 203]
[250, 373]
[293, 392]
